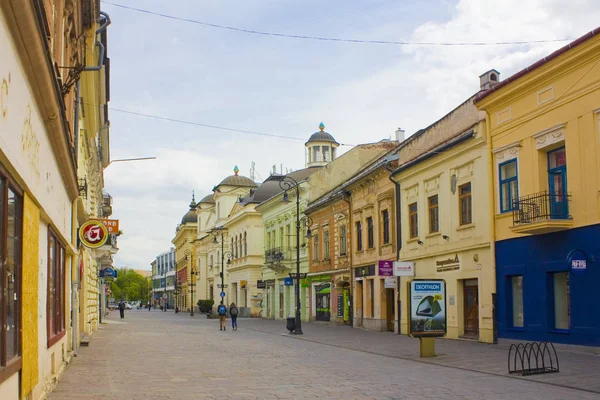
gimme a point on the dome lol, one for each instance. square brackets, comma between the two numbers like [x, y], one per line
[321, 136]
[189, 217]
[237, 181]
[207, 199]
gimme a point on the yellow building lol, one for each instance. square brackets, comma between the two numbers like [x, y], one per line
[544, 133]
[185, 257]
[445, 214]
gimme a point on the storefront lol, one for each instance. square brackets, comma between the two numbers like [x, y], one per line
[546, 285]
[321, 297]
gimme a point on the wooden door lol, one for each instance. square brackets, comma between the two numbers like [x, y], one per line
[471, 311]
[390, 312]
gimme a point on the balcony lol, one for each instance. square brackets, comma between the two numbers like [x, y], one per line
[540, 213]
[274, 255]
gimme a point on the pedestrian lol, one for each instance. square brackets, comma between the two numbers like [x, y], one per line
[122, 309]
[222, 311]
[149, 306]
[233, 311]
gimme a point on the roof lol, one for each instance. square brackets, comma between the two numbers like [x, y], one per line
[189, 217]
[321, 136]
[237, 181]
[538, 64]
[273, 188]
[209, 198]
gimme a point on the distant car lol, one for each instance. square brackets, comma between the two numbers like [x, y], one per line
[128, 306]
[112, 306]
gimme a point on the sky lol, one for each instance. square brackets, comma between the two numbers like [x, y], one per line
[286, 86]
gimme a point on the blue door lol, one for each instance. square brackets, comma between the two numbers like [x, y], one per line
[557, 184]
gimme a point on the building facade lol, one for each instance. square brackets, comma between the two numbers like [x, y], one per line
[446, 225]
[185, 234]
[545, 140]
[163, 280]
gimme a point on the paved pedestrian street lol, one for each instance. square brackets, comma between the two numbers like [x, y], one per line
[158, 355]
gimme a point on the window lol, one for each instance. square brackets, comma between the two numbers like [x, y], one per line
[562, 300]
[281, 239]
[232, 248]
[315, 239]
[509, 191]
[517, 301]
[370, 239]
[385, 216]
[211, 261]
[413, 220]
[326, 244]
[359, 240]
[343, 240]
[287, 236]
[11, 221]
[326, 153]
[466, 212]
[245, 244]
[434, 214]
[56, 289]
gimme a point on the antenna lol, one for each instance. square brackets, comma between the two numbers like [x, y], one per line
[252, 171]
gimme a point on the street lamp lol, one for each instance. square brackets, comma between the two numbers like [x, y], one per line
[219, 232]
[289, 183]
[193, 274]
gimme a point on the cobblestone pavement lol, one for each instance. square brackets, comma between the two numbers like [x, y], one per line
[156, 355]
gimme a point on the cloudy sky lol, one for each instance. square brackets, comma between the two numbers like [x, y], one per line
[283, 86]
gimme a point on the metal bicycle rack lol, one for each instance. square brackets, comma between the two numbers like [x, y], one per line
[532, 358]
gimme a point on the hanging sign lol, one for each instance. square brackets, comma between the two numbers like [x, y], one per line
[390, 283]
[112, 225]
[385, 268]
[288, 281]
[93, 234]
[402, 268]
[261, 285]
[427, 305]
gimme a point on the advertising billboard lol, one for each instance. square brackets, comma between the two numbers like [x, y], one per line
[427, 305]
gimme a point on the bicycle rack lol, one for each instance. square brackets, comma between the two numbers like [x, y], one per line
[532, 358]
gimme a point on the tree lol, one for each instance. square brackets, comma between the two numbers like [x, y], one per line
[129, 286]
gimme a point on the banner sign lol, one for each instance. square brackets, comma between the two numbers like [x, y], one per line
[112, 225]
[390, 283]
[261, 285]
[427, 305]
[402, 268]
[385, 268]
[93, 234]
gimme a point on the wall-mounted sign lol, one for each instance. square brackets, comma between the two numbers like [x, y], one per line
[427, 305]
[361, 272]
[403, 268]
[108, 272]
[305, 283]
[578, 261]
[340, 306]
[243, 284]
[112, 225]
[449, 264]
[93, 234]
[385, 268]
[390, 283]
[261, 285]
[288, 281]
[579, 265]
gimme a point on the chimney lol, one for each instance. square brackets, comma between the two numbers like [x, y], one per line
[400, 135]
[489, 79]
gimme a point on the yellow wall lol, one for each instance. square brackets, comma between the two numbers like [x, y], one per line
[557, 104]
[29, 295]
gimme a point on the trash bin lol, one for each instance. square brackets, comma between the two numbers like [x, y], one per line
[291, 324]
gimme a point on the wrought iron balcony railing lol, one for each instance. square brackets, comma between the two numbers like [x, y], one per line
[541, 207]
[274, 255]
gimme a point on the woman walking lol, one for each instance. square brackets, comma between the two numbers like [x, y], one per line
[233, 311]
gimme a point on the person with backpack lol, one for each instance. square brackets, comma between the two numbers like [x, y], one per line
[122, 309]
[222, 311]
[233, 311]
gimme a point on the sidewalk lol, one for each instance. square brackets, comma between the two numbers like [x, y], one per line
[578, 369]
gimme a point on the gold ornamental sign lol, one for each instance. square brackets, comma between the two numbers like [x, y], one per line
[93, 234]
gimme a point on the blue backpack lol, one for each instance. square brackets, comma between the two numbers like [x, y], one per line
[222, 310]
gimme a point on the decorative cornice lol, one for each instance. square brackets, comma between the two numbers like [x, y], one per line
[549, 136]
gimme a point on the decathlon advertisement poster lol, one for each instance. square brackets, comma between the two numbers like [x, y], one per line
[427, 308]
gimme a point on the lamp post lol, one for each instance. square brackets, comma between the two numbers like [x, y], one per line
[193, 274]
[289, 183]
[219, 232]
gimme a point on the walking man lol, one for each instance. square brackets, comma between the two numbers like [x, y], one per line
[222, 311]
[233, 311]
[122, 309]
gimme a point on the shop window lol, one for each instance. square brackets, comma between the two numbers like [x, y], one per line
[315, 247]
[561, 297]
[56, 289]
[343, 239]
[370, 233]
[326, 244]
[509, 191]
[359, 244]
[516, 289]
[385, 216]
[11, 222]
[465, 204]
[434, 216]
[413, 220]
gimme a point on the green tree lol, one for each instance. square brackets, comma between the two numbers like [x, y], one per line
[129, 286]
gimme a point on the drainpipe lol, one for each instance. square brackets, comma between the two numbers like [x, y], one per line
[398, 239]
[104, 19]
[346, 196]
[76, 122]
[492, 203]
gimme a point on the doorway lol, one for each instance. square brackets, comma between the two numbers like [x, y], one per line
[281, 301]
[322, 298]
[471, 308]
[358, 303]
[390, 309]
[557, 184]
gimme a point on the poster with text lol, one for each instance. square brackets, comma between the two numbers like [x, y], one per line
[427, 308]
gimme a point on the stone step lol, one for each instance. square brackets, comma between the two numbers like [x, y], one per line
[85, 340]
